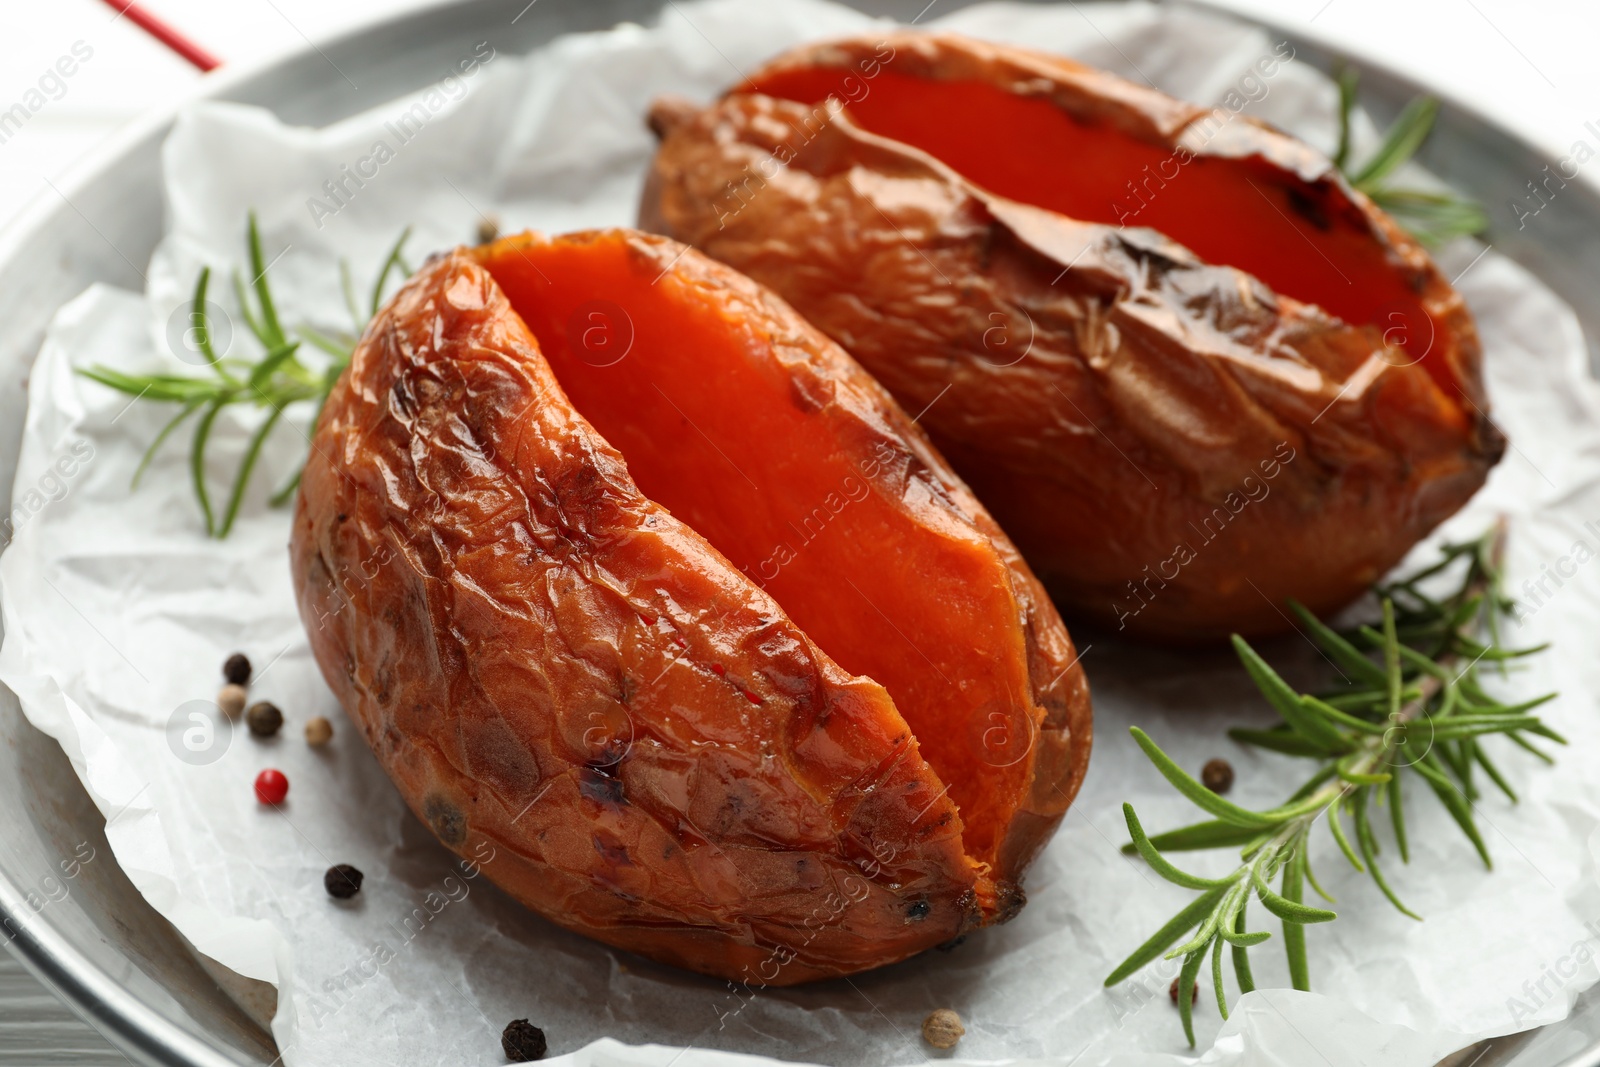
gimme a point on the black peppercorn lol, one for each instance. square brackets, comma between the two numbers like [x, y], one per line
[523, 1042]
[342, 881]
[1194, 992]
[237, 669]
[1217, 776]
[264, 719]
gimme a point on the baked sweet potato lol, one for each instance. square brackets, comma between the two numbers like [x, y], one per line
[1188, 368]
[638, 584]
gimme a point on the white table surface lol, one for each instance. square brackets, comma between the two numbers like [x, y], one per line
[1527, 62]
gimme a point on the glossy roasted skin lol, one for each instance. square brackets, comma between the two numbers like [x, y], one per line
[624, 706]
[1188, 368]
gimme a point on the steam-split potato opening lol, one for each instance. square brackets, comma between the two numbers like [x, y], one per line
[724, 425]
[1235, 212]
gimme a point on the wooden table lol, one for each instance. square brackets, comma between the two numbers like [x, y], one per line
[37, 1030]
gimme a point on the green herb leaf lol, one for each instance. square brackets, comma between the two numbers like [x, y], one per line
[1397, 817]
[1216, 978]
[271, 333]
[1342, 652]
[1348, 80]
[391, 262]
[197, 461]
[1163, 939]
[1202, 797]
[1455, 803]
[1289, 909]
[1157, 862]
[1494, 774]
[199, 323]
[1340, 719]
[1287, 701]
[1400, 143]
[1213, 833]
[242, 479]
[1241, 958]
[1186, 983]
[1369, 852]
[166, 431]
[1294, 933]
[1284, 741]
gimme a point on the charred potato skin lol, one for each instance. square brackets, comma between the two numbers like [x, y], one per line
[1180, 449]
[517, 632]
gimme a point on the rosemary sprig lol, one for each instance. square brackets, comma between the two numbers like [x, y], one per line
[1433, 217]
[275, 380]
[1411, 700]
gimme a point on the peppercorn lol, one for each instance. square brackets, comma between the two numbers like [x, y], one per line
[271, 787]
[1217, 776]
[237, 669]
[523, 1042]
[231, 698]
[342, 881]
[488, 228]
[942, 1028]
[1194, 992]
[264, 718]
[319, 731]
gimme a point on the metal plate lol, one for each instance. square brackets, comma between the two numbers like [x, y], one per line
[95, 941]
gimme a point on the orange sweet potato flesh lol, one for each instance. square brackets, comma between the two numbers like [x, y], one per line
[636, 582]
[1191, 371]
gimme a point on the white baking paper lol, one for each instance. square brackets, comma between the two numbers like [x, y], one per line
[118, 613]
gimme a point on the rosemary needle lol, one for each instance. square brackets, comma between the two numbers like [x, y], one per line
[274, 381]
[1413, 702]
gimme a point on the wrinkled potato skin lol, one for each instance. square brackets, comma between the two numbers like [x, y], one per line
[558, 674]
[1175, 448]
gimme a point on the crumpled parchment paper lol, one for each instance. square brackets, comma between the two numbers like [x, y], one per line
[118, 613]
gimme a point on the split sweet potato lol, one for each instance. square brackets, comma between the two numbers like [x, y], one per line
[638, 585]
[1190, 370]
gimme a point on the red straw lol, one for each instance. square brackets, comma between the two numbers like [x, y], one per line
[166, 34]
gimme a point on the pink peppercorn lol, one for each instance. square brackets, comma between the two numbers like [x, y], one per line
[271, 787]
